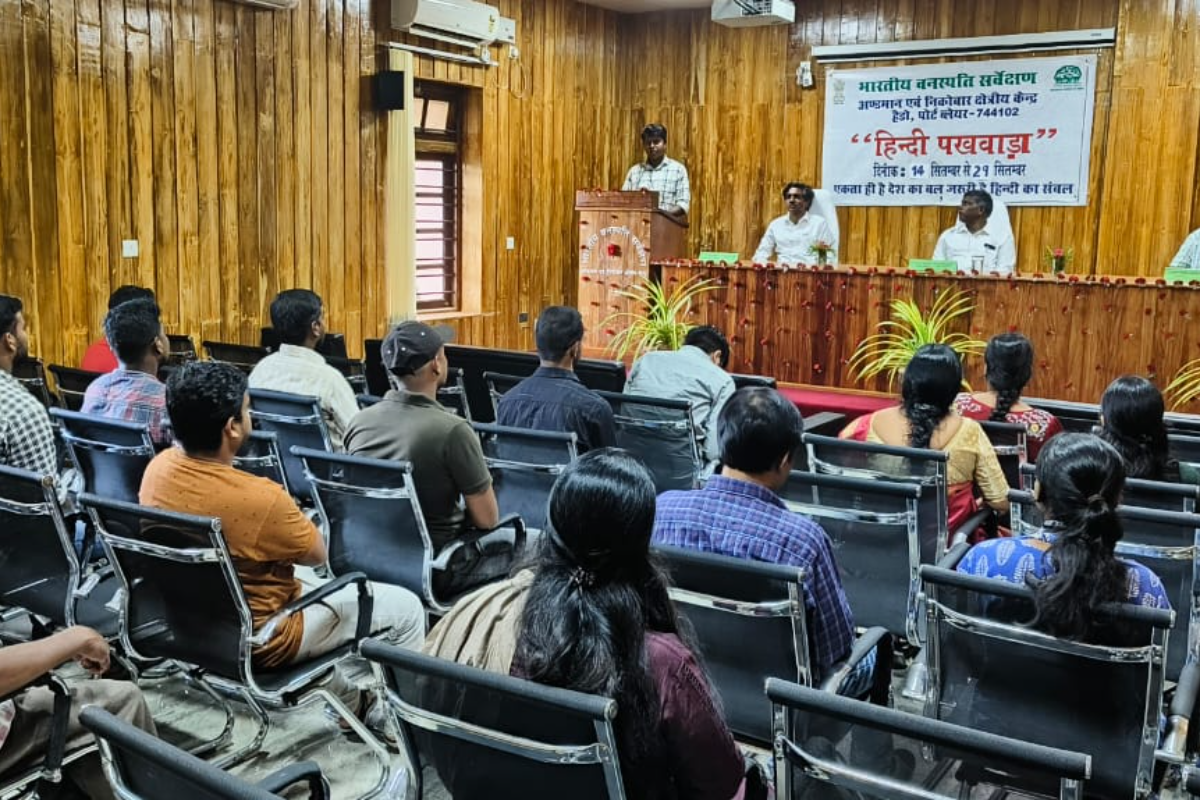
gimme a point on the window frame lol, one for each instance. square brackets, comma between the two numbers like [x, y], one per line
[445, 146]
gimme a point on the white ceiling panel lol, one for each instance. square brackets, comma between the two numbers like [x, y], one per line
[639, 6]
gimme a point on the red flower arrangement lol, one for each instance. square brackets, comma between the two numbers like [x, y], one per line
[613, 250]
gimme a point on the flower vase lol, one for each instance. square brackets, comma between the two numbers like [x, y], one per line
[1058, 264]
[822, 258]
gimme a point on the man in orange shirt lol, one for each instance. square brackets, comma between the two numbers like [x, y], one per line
[266, 533]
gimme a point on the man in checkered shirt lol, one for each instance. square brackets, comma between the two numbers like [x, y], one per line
[26, 439]
[661, 174]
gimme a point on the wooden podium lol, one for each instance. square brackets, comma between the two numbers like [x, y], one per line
[620, 233]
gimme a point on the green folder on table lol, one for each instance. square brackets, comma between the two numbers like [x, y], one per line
[932, 265]
[1181, 275]
[728, 258]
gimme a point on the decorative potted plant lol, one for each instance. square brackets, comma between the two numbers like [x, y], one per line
[889, 350]
[821, 250]
[1185, 386]
[1058, 259]
[659, 321]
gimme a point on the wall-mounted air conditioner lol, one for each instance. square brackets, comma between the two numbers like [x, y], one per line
[462, 22]
[753, 13]
[273, 5]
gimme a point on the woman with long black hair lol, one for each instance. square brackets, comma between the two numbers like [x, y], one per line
[1131, 420]
[593, 615]
[1072, 558]
[926, 419]
[1009, 360]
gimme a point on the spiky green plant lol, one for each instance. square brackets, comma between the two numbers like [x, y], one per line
[658, 321]
[890, 350]
[1185, 386]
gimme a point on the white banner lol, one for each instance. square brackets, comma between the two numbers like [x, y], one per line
[922, 135]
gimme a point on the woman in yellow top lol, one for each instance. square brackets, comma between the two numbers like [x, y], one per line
[926, 418]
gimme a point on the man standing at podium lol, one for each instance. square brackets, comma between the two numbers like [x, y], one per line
[661, 174]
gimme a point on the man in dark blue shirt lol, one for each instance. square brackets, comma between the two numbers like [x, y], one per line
[553, 398]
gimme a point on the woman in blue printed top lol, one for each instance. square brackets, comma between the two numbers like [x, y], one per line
[1078, 488]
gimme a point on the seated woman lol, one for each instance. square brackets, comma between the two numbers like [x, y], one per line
[1078, 487]
[1131, 420]
[926, 419]
[1009, 360]
[593, 615]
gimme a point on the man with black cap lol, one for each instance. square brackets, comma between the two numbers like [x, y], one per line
[410, 425]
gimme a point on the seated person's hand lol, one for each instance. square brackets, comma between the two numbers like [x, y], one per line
[92, 654]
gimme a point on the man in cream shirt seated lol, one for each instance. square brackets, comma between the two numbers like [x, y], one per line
[792, 236]
[973, 243]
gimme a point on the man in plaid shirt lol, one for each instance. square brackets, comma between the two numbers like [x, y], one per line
[26, 439]
[661, 174]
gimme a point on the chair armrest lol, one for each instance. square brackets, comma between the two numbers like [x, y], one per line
[480, 539]
[954, 555]
[307, 771]
[365, 607]
[825, 423]
[963, 532]
[872, 639]
[1183, 704]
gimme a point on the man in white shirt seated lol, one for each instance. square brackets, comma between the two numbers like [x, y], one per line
[298, 316]
[792, 236]
[661, 174]
[695, 373]
[972, 243]
[1188, 256]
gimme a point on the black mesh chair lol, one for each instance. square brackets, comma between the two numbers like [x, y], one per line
[1184, 448]
[751, 623]
[183, 349]
[496, 737]
[662, 433]
[498, 384]
[453, 396]
[297, 421]
[524, 465]
[72, 384]
[757, 381]
[260, 456]
[994, 674]
[26, 782]
[1141, 493]
[111, 454]
[376, 527]
[874, 528]
[331, 345]
[143, 767]
[809, 763]
[1075, 417]
[40, 571]
[242, 356]
[353, 370]
[1009, 442]
[32, 375]
[182, 601]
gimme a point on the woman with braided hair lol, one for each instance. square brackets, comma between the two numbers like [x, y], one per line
[926, 419]
[1009, 360]
[1071, 561]
[1131, 420]
[592, 614]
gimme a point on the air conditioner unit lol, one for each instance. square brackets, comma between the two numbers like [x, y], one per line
[462, 22]
[753, 13]
[273, 5]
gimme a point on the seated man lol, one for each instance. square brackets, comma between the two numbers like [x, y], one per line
[972, 244]
[265, 531]
[410, 425]
[553, 398]
[26, 438]
[99, 356]
[792, 236]
[25, 719]
[133, 392]
[298, 316]
[1188, 256]
[739, 514]
[694, 373]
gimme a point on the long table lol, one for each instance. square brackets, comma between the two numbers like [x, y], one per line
[801, 325]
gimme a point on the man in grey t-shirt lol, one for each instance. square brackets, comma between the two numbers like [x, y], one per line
[410, 425]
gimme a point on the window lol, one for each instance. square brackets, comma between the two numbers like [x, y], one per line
[437, 115]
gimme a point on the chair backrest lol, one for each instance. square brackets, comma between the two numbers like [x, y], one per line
[332, 345]
[662, 433]
[354, 371]
[111, 454]
[32, 375]
[751, 624]
[1009, 442]
[296, 421]
[374, 519]
[260, 456]
[498, 384]
[72, 384]
[181, 595]
[524, 465]
[242, 356]
[1184, 448]
[823, 205]
[1075, 417]
[874, 528]
[879, 462]
[454, 394]
[377, 380]
[758, 381]
[144, 767]
[496, 736]
[809, 723]
[183, 349]
[39, 569]
[992, 673]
